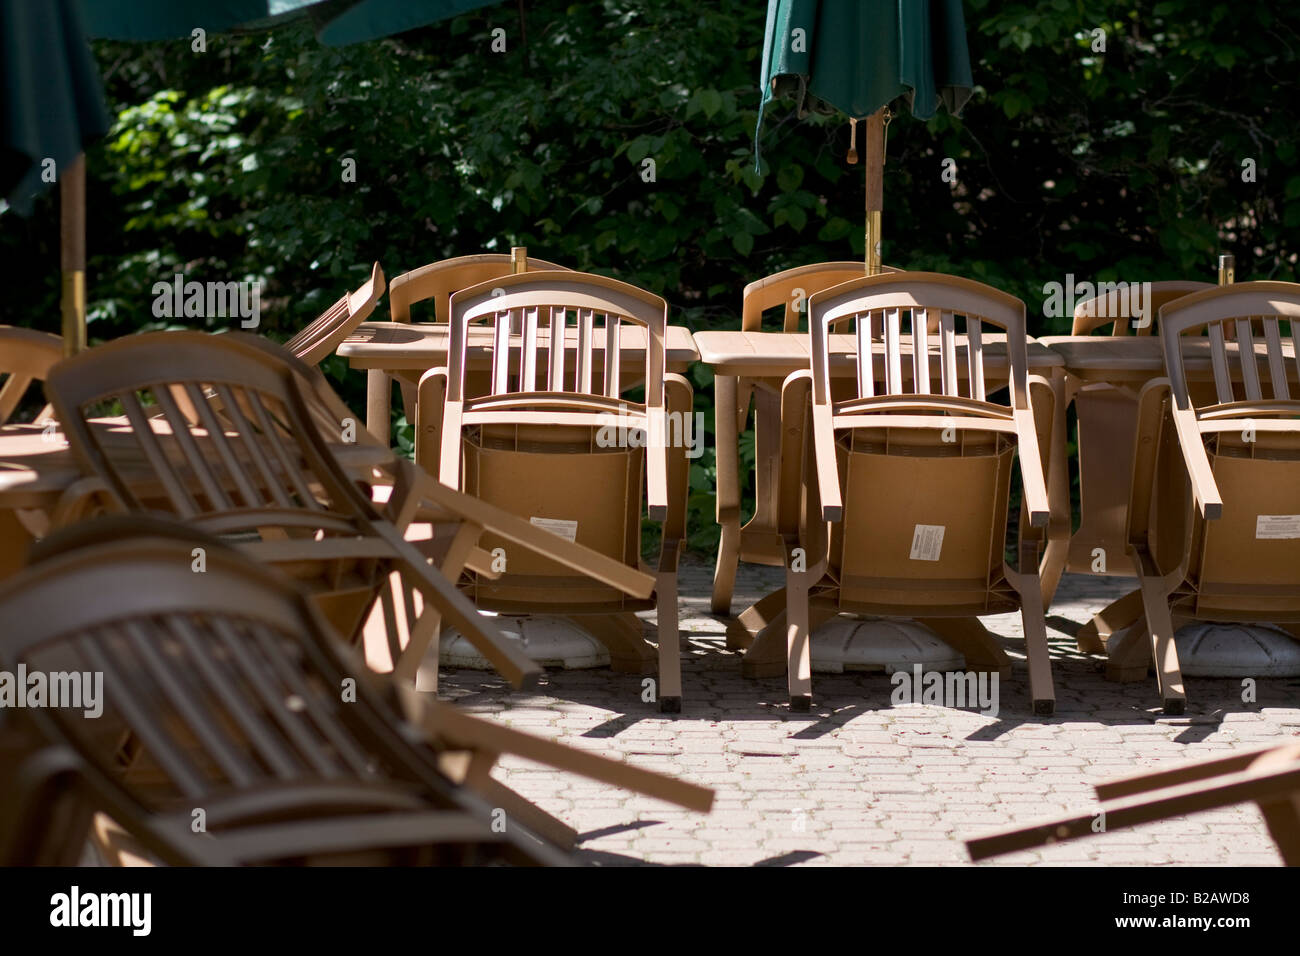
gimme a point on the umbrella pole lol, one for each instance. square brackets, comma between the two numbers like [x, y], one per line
[875, 150]
[72, 254]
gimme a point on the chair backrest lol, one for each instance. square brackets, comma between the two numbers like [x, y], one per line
[1253, 314]
[899, 310]
[598, 308]
[340, 320]
[1116, 307]
[792, 288]
[26, 356]
[260, 463]
[231, 686]
[545, 412]
[439, 280]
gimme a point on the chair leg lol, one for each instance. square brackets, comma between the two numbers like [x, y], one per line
[798, 651]
[629, 653]
[1283, 820]
[516, 807]
[744, 630]
[670, 652]
[1115, 616]
[724, 572]
[1034, 622]
[1160, 625]
[1128, 656]
[969, 636]
[726, 438]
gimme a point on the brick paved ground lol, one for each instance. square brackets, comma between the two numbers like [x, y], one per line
[861, 782]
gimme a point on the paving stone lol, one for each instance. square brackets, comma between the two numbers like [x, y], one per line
[869, 783]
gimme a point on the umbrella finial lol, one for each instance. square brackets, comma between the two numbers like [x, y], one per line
[1227, 269]
[853, 142]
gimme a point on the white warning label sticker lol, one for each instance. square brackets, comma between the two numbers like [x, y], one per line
[927, 542]
[1277, 526]
[568, 530]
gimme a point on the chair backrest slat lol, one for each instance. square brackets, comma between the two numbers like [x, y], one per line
[921, 350]
[1276, 361]
[147, 441]
[230, 689]
[1246, 355]
[1219, 359]
[556, 343]
[866, 356]
[501, 352]
[582, 375]
[296, 707]
[948, 353]
[893, 352]
[613, 355]
[180, 429]
[178, 690]
[217, 437]
[285, 452]
[975, 357]
[528, 357]
[233, 407]
[133, 701]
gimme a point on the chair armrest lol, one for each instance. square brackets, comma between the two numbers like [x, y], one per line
[1032, 474]
[825, 464]
[796, 393]
[1204, 488]
[656, 463]
[444, 724]
[417, 488]
[430, 395]
[679, 398]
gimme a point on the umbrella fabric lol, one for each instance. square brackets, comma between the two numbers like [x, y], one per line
[855, 56]
[166, 19]
[53, 104]
[337, 22]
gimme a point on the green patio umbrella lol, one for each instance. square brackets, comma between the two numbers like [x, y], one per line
[857, 57]
[52, 104]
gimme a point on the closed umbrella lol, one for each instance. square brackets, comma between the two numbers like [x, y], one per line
[856, 57]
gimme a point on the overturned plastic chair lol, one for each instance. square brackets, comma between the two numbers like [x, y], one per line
[234, 729]
[1214, 518]
[557, 442]
[905, 492]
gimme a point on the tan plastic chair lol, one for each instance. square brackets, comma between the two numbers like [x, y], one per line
[561, 447]
[435, 284]
[1214, 518]
[261, 471]
[1107, 419]
[759, 541]
[225, 695]
[913, 481]
[1270, 778]
[336, 323]
[26, 356]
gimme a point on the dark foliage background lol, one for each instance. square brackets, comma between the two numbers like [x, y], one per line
[227, 164]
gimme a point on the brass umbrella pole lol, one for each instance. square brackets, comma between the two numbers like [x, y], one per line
[72, 254]
[875, 150]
